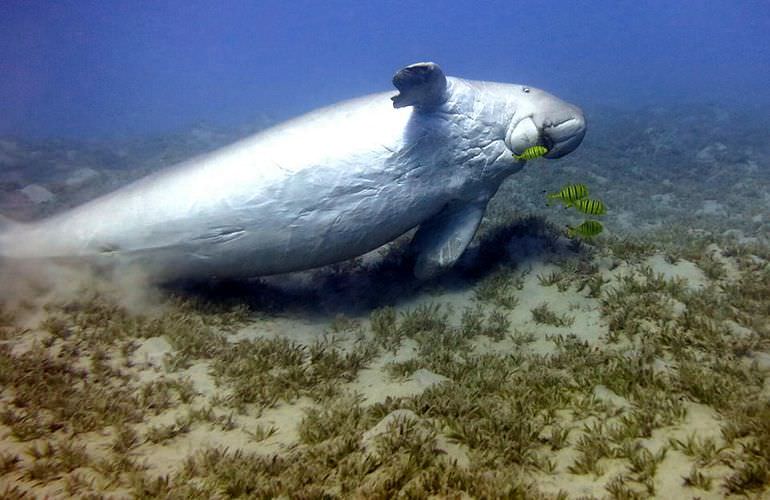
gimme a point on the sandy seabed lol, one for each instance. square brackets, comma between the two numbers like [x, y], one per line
[578, 375]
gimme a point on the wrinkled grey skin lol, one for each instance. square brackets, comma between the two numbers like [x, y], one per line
[327, 186]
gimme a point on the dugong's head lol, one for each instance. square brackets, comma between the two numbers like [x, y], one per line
[542, 119]
[537, 117]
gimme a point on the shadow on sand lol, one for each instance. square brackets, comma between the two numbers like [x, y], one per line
[354, 287]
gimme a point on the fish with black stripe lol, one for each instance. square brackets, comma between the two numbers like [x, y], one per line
[531, 153]
[590, 207]
[569, 194]
[587, 229]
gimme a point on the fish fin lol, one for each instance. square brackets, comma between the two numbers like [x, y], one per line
[442, 239]
[422, 85]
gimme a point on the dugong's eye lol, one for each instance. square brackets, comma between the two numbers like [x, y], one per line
[525, 90]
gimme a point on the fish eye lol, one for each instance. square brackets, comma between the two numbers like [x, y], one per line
[525, 90]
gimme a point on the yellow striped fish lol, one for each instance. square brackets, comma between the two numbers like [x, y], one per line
[569, 194]
[591, 207]
[531, 153]
[587, 229]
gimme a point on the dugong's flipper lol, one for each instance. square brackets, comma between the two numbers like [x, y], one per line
[422, 85]
[443, 238]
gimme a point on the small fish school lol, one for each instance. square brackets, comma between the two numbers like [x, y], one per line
[576, 196]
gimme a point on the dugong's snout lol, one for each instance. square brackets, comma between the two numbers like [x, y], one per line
[545, 120]
[564, 137]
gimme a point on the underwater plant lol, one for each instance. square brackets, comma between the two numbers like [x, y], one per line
[544, 315]
[499, 288]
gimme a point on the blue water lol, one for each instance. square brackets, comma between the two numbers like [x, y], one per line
[91, 69]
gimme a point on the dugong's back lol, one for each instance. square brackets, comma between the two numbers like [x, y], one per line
[266, 204]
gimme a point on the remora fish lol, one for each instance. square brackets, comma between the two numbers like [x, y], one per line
[324, 187]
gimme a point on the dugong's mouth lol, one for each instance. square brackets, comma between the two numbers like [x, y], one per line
[563, 137]
[559, 137]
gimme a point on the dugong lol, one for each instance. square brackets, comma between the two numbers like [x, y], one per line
[321, 188]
